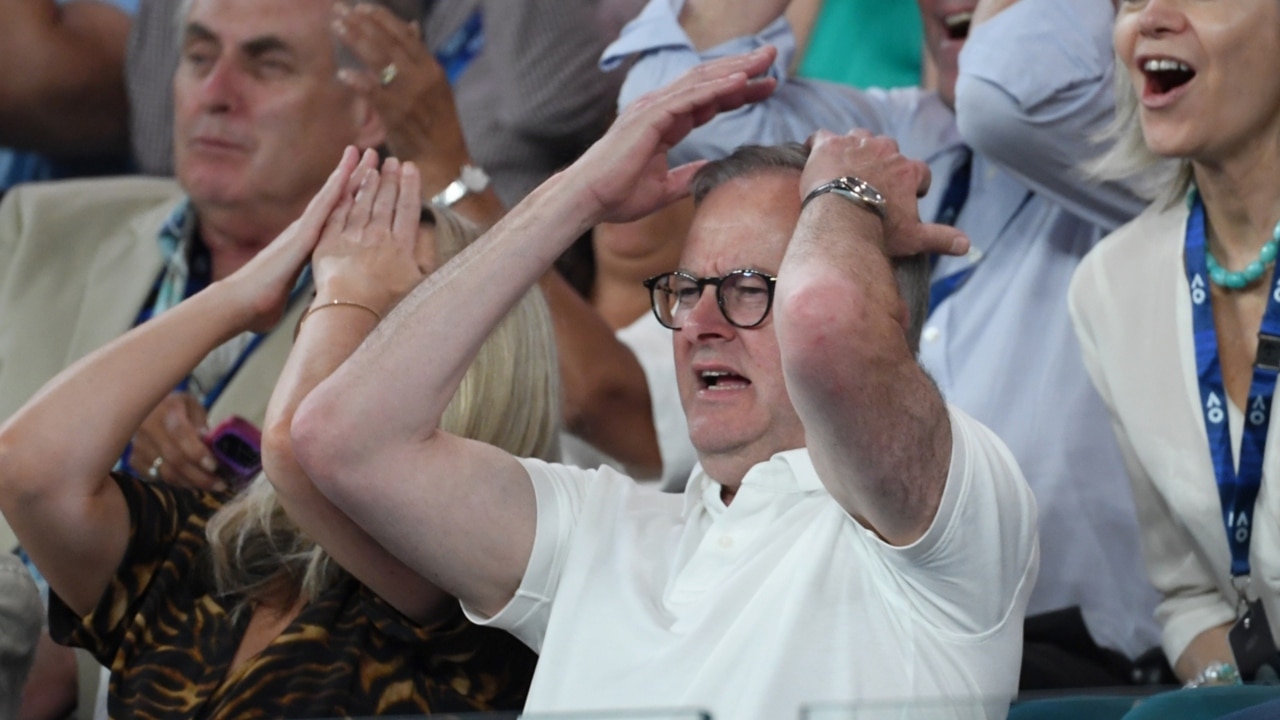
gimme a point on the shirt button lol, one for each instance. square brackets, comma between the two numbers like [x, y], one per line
[726, 542]
[931, 334]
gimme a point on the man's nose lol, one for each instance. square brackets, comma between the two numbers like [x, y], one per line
[704, 319]
[220, 88]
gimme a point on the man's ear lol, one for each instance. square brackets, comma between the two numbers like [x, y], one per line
[370, 131]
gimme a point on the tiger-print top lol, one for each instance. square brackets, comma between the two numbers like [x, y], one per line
[169, 641]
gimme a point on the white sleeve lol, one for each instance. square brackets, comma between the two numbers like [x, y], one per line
[974, 567]
[559, 491]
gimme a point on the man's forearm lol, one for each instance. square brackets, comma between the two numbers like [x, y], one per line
[62, 77]
[430, 339]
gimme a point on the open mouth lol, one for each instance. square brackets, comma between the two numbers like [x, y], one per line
[1164, 75]
[720, 380]
[957, 25]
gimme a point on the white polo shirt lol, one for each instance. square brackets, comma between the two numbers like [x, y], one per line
[636, 599]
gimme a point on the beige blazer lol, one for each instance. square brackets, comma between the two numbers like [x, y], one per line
[77, 260]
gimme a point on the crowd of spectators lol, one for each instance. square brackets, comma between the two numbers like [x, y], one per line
[390, 357]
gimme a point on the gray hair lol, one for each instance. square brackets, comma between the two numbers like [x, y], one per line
[1128, 157]
[509, 398]
[407, 10]
[912, 273]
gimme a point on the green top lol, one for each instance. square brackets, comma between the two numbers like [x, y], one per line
[866, 43]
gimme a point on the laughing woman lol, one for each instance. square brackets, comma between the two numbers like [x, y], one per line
[1179, 317]
[206, 605]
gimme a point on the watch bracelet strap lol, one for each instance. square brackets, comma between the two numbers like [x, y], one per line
[843, 186]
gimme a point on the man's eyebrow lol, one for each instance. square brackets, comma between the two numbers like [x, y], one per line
[262, 45]
[255, 47]
[195, 32]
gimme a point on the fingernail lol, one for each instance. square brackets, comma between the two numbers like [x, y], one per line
[209, 464]
[220, 486]
[339, 26]
[347, 76]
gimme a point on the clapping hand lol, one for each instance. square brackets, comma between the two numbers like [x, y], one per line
[371, 251]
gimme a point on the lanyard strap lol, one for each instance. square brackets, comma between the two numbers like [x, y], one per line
[1237, 490]
[462, 46]
[194, 286]
[953, 201]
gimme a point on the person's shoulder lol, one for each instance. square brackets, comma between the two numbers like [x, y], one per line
[99, 197]
[1130, 259]
[94, 193]
[97, 212]
[1145, 235]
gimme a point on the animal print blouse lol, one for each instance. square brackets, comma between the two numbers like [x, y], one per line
[169, 641]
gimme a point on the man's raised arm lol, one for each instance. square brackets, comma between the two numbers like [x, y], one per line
[460, 513]
[875, 425]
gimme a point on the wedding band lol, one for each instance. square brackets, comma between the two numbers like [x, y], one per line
[154, 472]
[388, 74]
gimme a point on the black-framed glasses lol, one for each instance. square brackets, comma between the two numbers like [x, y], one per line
[744, 296]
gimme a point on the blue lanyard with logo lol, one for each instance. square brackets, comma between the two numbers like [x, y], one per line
[1237, 490]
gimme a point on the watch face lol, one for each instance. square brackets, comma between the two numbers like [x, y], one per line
[476, 179]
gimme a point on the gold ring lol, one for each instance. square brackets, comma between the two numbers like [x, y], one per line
[388, 74]
[154, 472]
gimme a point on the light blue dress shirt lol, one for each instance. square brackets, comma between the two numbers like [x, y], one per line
[1035, 85]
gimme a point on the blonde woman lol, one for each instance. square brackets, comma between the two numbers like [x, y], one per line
[204, 604]
[1177, 315]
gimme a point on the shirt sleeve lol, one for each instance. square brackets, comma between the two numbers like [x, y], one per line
[795, 110]
[1034, 93]
[974, 567]
[560, 491]
[159, 516]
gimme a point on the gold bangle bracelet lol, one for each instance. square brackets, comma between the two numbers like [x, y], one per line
[332, 304]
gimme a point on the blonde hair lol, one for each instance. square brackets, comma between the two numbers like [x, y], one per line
[1128, 157]
[508, 398]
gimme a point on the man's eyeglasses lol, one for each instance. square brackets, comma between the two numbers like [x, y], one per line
[744, 296]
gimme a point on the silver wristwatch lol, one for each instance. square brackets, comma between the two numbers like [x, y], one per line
[471, 181]
[854, 190]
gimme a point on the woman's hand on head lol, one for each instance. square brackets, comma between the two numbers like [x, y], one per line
[265, 282]
[368, 250]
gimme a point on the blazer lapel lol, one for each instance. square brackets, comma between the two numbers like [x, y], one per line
[119, 281]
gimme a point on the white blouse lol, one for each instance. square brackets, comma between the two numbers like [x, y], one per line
[1131, 305]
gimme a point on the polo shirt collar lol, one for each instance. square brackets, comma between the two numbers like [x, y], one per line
[790, 471]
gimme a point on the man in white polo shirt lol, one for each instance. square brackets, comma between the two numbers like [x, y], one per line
[846, 537]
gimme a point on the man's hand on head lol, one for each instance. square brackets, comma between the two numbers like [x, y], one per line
[625, 174]
[877, 161]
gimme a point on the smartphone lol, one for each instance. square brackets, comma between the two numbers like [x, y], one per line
[237, 445]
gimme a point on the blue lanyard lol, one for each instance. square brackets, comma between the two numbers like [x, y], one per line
[1237, 491]
[953, 201]
[462, 47]
[195, 285]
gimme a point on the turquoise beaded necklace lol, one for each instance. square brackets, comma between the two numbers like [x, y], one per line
[1223, 277]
